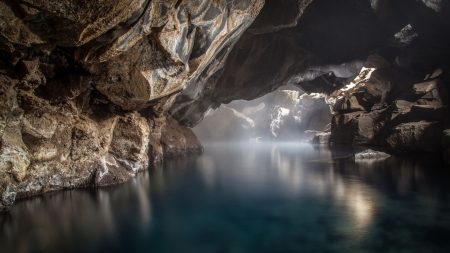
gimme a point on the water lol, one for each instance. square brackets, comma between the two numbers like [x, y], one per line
[260, 198]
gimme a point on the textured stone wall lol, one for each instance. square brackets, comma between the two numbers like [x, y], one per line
[86, 86]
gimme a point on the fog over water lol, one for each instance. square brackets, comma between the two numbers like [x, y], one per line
[260, 197]
[287, 114]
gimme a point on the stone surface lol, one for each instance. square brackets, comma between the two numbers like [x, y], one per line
[371, 154]
[416, 137]
[321, 138]
[177, 140]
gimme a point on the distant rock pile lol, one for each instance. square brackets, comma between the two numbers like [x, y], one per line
[391, 106]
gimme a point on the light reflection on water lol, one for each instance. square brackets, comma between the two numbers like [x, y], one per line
[254, 198]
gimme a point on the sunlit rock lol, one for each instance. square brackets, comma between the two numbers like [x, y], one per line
[287, 98]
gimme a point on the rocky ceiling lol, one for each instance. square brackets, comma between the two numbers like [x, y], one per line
[91, 90]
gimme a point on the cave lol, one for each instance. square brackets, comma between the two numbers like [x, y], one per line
[242, 121]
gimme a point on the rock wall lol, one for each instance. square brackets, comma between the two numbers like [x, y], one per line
[86, 86]
[404, 110]
[93, 90]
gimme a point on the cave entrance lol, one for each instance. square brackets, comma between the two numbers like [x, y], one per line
[286, 114]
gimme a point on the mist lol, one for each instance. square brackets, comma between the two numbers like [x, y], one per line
[286, 114]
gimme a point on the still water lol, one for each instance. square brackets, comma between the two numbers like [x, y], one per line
[247, 198]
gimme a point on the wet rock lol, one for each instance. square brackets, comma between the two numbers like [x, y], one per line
[177, 140]
[321, 138]
[370, 127]
[8, 194]
[370, 154]
[343, 127]
[156, 152]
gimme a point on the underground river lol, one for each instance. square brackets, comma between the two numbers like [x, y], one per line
[247, 198]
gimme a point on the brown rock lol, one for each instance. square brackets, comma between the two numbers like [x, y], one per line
[343, 127]
[321, 138]
[177, 140]
[129, 144]
[370, 127]
[425, 87]
[376, 61]
[416, 137]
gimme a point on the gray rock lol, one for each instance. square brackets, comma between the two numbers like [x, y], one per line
[370, 154]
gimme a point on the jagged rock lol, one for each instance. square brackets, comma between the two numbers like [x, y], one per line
[350, 103]
[343, 127]
[254, 110]
[416, 137]
[279, 117]
[129, 144]
[156, 152]
[386, 84]
[376, 61]
[370, 154]
[370, 127]
[425, 87]
[402, 106]
[287, 98]
[177, 140]
[321, 138]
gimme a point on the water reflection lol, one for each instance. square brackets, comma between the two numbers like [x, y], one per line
[60, 220]
[254, 198]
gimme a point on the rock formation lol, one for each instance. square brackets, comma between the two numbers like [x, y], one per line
[86, 86]
[283, 115]
[91, 91]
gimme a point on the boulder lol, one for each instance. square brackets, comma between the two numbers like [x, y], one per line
[321, 138]
[376, 61]
[371, 154]
[343, 127]
[348, 104]
[416, 137]
[178, 141]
